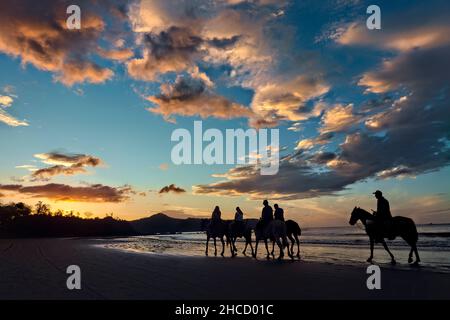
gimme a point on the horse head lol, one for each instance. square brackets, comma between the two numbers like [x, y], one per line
[354, 217]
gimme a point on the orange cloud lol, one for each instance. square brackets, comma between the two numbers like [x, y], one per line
[38, 36]
[63, 192]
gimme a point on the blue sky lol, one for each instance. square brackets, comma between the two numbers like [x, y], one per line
[370, 108]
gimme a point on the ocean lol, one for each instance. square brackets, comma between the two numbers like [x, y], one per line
[337, 245]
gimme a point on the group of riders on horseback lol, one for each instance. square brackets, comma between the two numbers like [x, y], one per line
[273, 227]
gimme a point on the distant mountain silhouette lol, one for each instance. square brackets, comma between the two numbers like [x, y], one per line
[20, 220]
[162, 223]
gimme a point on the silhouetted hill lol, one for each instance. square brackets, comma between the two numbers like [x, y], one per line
[161, 223]
[18, 220]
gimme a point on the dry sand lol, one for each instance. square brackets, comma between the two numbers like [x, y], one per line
[35, 269]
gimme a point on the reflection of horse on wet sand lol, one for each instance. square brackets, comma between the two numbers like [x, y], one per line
[401, 226]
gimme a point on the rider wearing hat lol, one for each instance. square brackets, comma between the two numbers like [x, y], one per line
[383, 214]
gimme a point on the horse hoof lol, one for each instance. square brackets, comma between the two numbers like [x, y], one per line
[298, 256]
[369, 260]
[206, 253]
[393, 262]
[268, 257]
[410, 260]
[416, 264]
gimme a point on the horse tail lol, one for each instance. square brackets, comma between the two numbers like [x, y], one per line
[298, 231]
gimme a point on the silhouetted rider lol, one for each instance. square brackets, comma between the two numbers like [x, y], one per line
[383, 214]
[267, 213]
[216, 215]
[279, 212]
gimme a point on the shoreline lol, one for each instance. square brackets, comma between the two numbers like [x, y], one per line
[308, 253]
[35, 269]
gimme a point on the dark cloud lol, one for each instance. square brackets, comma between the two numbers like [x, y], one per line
[64, 164]
[63, 192]
[404, 136]
[174, 49]
[189, 97]
[322, 157]
[171, 188]
[224, 43]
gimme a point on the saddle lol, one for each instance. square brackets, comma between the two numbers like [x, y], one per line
[385, 230]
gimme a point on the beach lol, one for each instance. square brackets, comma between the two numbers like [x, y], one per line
[36, 269]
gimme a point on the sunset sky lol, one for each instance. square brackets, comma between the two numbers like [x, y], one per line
[86, 115]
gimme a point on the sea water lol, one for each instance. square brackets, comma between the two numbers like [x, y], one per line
[338, 245]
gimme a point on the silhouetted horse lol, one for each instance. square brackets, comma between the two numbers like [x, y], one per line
[274, 231]
[237, 230]
[401, 226]
[293, 231]
[218, 229]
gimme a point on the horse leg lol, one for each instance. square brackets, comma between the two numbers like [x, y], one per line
[267, 249]
[256, 248]
[371, 250]
[410, 259]
[233, 245]
[417, 254]
[390, 253]
[273, 249]
[280, 245]
[215, 247]
[285, 243]
[250, 242]
[223, 246]
[298, 246]
[207, 242]
[245, 247]
[291, 247]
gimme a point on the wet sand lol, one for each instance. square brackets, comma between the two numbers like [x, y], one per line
[36, 269]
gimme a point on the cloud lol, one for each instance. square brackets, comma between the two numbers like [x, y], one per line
[399, 172]
[63, 164]
[404, 37]
[339, 118]
[286, 99]
[171, 188]
[63, 192]
[310, 143]
[183, 35]
[5, 117]
[190, 97]
[173, 50]
[68, 159]
[38, 35]
[10, 120]
[405, 137]
[6, 101]
[295, 180]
